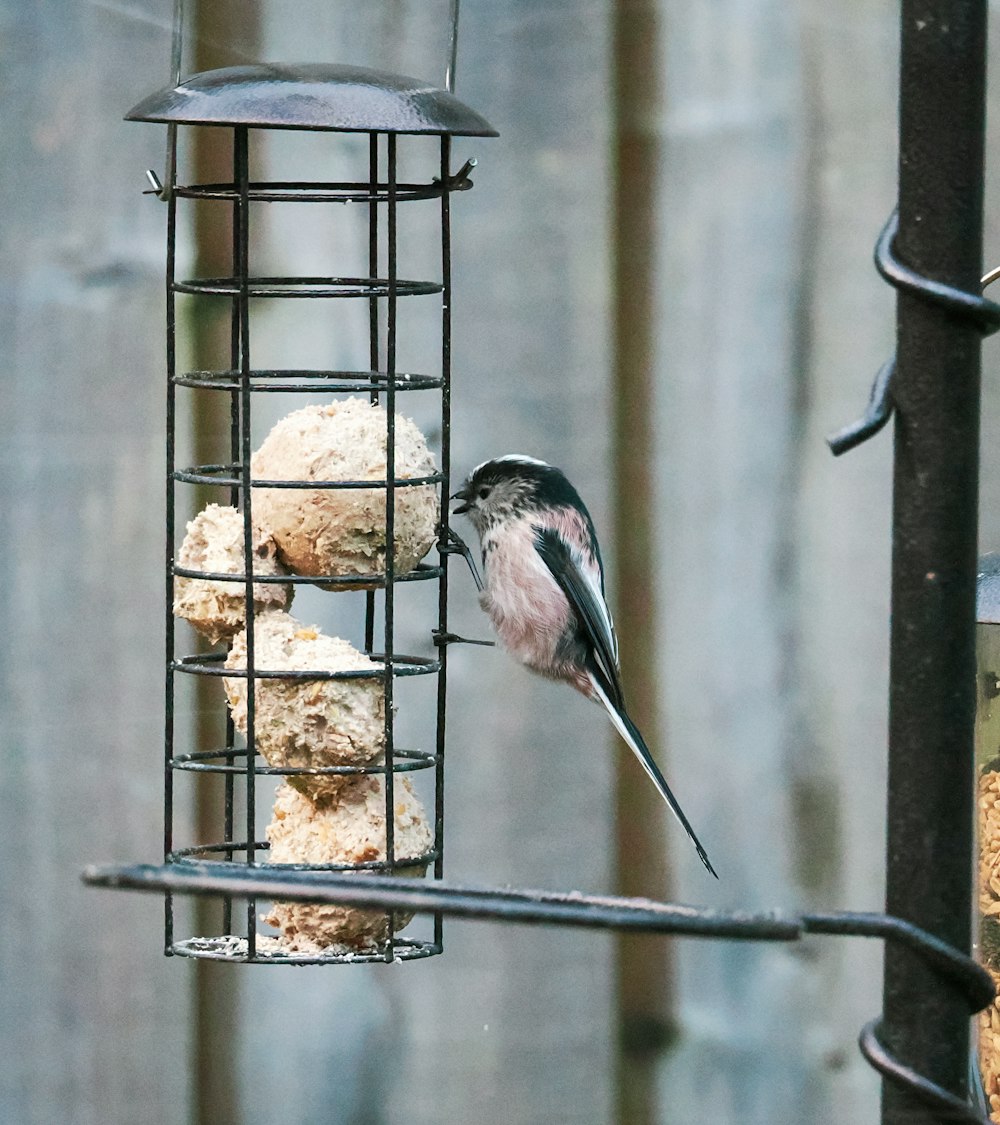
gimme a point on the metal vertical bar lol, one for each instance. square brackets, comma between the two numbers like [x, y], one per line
[390, 514]
[373, 334]
[235, 426]
[177, 43]
[449, 74]
[241, 176]
[235, 444]
[443, 544]
[932, 668]
[171, 426]
[176, 63]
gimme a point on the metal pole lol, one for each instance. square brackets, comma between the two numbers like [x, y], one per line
[932, 667]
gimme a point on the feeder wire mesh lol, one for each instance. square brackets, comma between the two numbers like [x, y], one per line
[242, 382]
[382, 106]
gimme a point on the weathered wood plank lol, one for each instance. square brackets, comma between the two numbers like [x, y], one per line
[773, 622]
[776, 556]
[528, 1013]
[510, 1025]
[95, 1026]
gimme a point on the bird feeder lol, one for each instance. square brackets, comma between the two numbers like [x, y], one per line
[344, 494]
[988, 811]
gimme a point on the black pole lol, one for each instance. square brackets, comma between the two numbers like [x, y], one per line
[932, 673]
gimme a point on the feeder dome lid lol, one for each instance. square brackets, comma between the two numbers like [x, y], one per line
[312, 96]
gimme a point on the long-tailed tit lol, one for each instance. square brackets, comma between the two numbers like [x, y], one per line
[544, 589]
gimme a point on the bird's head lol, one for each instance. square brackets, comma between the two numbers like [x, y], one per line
[509, 487]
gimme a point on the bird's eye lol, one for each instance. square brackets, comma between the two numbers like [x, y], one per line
[483, 493]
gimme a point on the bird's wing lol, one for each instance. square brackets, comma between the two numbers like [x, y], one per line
[584, 594]
[583, 589]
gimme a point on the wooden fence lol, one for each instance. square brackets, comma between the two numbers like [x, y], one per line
[767, 140]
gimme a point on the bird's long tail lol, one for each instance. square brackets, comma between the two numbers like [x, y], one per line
[630, 732]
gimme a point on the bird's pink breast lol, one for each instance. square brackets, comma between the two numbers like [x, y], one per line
[528, 610]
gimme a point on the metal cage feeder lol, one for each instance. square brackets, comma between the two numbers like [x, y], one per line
[393, 111]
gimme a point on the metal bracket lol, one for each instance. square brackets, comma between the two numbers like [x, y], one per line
[388, 892]
[460, 180]
[880, 408]
[984, 313]
[155, 186]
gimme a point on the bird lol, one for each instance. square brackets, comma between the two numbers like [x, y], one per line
[543, 590]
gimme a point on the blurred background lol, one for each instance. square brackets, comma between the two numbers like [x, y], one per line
[663, 284]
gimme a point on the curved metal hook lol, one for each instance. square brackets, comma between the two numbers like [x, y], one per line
[880, 408]
[947, 1106]
[973, 306]
[983, 312]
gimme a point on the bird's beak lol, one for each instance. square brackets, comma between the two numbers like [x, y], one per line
[462, 495]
